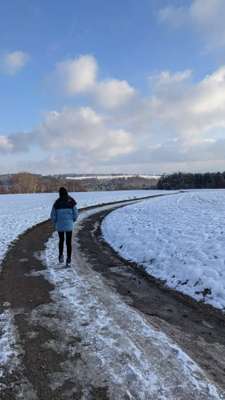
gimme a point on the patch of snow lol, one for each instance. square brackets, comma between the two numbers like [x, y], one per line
[10, 358]
[8, 347]
[178, 239]
[120, 349]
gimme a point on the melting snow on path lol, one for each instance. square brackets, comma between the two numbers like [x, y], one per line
[179, 239]
[119, 347]
[8, 347]
[10, 357]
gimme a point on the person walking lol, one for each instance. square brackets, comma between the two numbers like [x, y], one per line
[64, 213]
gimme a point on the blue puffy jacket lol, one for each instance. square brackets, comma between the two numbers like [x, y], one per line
[64, 213]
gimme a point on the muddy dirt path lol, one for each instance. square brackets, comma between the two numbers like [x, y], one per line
[199, 329]
[22, 293]
[54, 360]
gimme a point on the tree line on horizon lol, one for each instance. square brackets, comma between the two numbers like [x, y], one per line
[180, 180]
[25, 182]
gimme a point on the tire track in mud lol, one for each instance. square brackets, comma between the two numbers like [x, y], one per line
[198, 328]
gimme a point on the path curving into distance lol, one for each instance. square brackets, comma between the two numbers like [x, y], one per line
[102, 329]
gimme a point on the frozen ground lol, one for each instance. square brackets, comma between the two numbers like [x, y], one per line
[19, 212]
[179, 239]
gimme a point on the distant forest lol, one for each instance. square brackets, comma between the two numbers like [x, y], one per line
[25, 182]
[181, 180]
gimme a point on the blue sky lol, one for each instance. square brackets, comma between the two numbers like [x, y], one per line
[132, 79]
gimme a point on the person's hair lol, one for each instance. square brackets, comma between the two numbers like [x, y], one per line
[63, 194]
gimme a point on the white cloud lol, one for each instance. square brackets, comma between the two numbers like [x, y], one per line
[167, 78]
[117, 142]
[11, 63]
[175, 16]
[5, 143]
[83, 130]
[113, 93]
[205, 16]
[77, 75]
[190, 114]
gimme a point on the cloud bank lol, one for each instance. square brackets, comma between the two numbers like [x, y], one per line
[179, 124]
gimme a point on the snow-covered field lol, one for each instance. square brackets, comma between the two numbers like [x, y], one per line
[19, 212]
[179, 239]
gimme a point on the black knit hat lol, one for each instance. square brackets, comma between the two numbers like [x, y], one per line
[63, 192]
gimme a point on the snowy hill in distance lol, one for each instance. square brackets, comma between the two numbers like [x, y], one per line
[112, 176]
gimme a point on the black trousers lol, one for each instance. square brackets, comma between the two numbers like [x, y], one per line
[68, 243]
